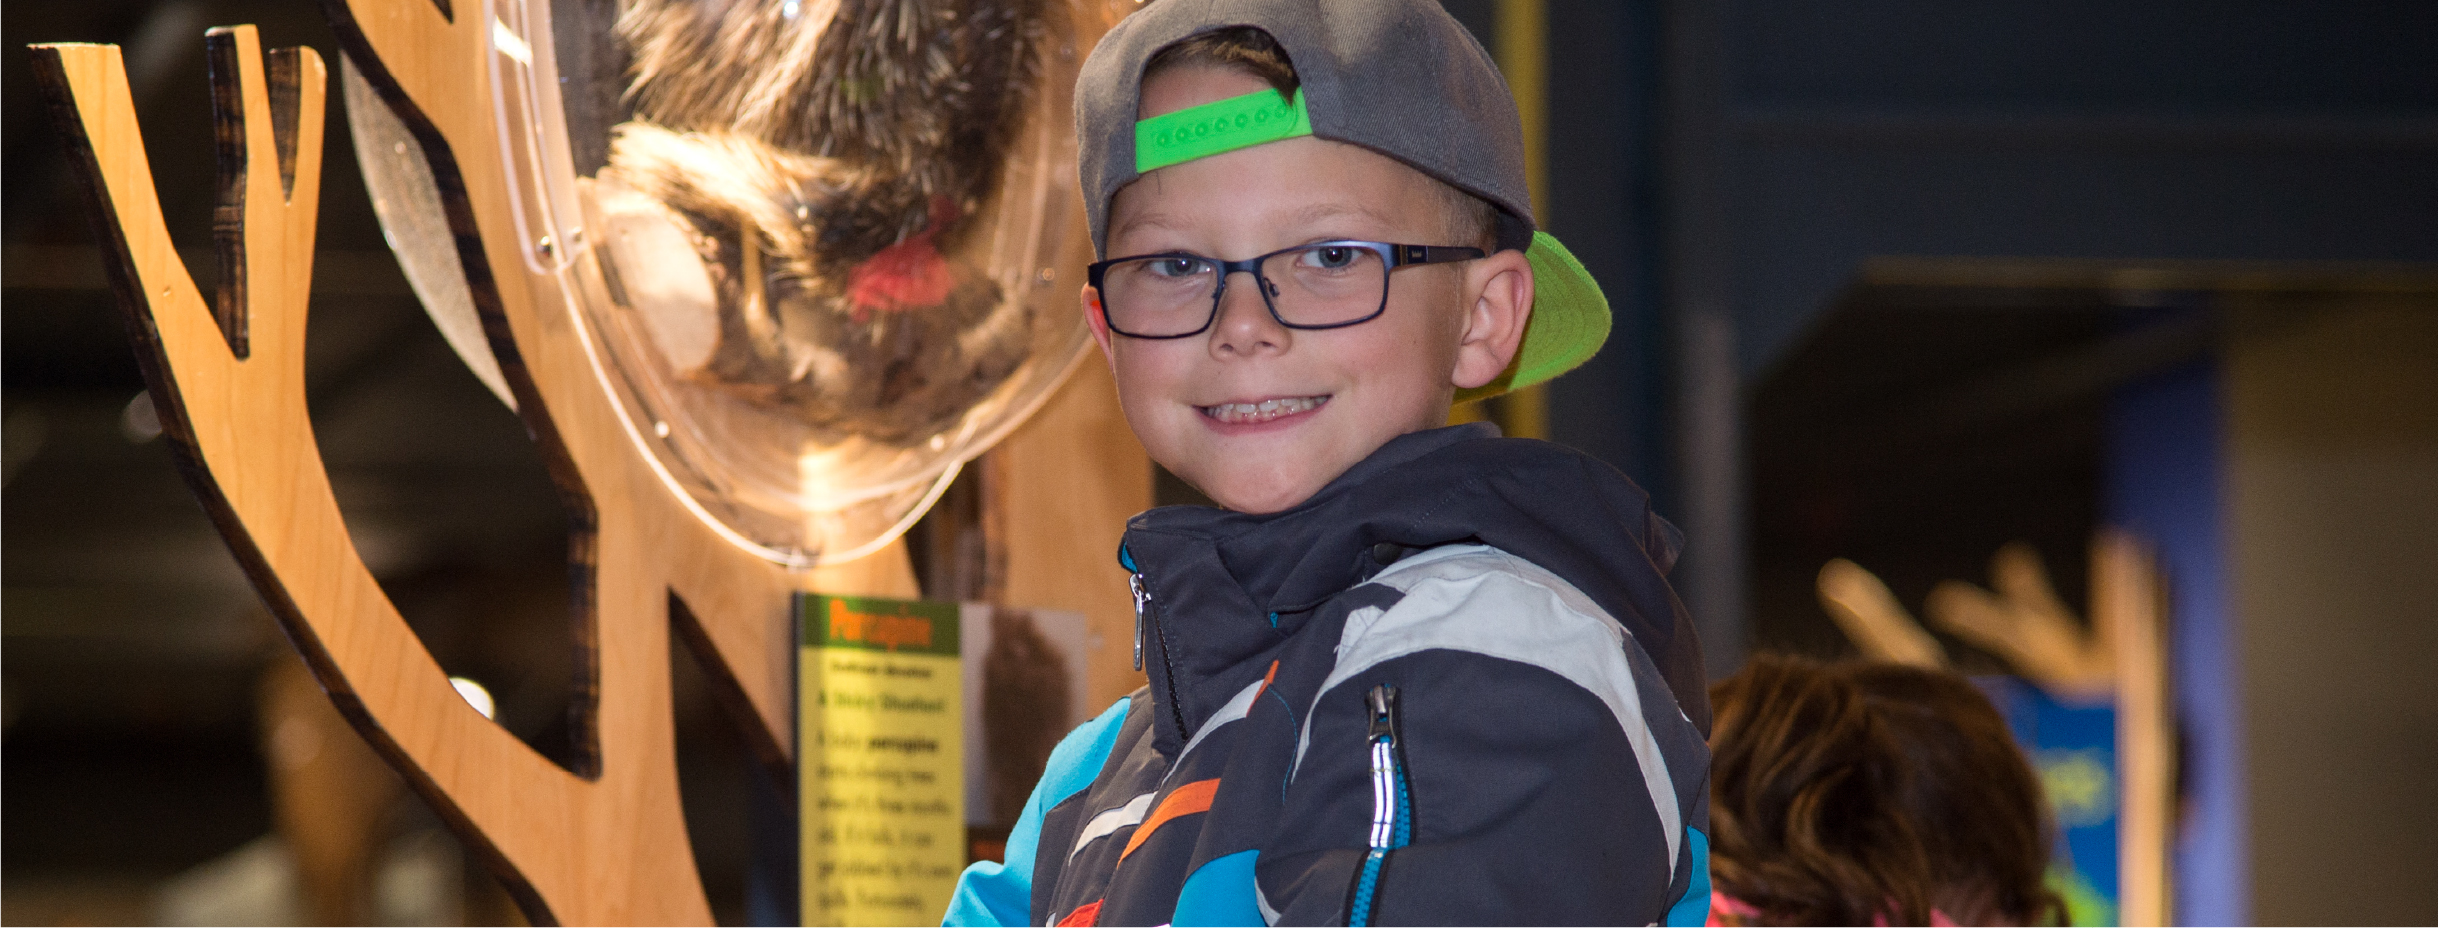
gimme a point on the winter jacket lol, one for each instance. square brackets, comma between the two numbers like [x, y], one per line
[1453, 687]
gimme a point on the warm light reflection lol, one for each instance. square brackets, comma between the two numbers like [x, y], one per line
[475, 695]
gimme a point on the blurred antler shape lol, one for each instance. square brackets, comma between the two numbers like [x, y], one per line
[1870, 615]
[2123, 657]
[2129, 611]
[2025, 623]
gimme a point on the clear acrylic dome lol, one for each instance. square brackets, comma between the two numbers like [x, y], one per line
[815, 246]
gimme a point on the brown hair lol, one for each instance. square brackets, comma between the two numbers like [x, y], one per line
[1238, 48]
[1252, 51]
[1842, 794]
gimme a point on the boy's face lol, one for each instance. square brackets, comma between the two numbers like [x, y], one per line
[1259, 416]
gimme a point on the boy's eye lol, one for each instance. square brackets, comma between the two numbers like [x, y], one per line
[1178, 267]
[1331, 257]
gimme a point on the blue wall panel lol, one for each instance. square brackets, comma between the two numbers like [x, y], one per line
[2163, 483]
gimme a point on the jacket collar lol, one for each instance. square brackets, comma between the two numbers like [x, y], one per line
[1228, 587]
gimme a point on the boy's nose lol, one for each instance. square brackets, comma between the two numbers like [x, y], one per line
[1245, 326]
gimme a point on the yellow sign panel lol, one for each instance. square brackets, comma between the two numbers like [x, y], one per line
[881, 772]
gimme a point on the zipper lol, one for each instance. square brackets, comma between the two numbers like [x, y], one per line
[1176, 706]
[1142, 606]
[1140, 586]
[1392, 809]
[1142, 600]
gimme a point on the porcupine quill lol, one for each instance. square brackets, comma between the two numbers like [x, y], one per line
[846, 144]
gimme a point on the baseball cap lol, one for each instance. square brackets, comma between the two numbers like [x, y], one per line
[1399, 77]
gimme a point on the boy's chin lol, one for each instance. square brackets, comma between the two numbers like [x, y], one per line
[1261, 494]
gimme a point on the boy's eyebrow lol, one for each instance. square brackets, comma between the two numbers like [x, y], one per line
[1146, 221]
[1321, 211]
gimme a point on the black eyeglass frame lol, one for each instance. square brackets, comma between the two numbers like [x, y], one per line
[1392, 256]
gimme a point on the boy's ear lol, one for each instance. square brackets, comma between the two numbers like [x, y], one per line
[1500, 287]
[1098, 323]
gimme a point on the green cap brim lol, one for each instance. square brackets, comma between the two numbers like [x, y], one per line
[1569, 322]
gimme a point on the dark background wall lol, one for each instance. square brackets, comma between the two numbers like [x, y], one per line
[1739, 163]
[1727, 167]
[2250, 130]
[2247, 132]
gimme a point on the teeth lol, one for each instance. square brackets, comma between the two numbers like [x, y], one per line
[1263, 411]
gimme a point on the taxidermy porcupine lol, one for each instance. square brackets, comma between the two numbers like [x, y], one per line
[824, 158]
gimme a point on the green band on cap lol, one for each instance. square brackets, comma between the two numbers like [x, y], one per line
[1221, 125]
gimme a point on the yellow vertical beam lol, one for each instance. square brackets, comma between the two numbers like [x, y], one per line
[1523, 55]
[1522, 29]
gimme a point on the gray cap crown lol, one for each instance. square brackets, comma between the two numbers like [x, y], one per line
[1400, 77]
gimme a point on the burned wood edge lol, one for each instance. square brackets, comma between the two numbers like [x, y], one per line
[583, 518]
[152, 359]
[729, 693]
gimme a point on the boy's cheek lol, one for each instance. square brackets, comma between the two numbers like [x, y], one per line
[1134, 381]
[1155, 426]
[1139, 390]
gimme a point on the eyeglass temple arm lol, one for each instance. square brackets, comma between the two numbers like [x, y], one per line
[1433, 254]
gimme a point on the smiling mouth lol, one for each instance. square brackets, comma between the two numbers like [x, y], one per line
[1263, 411]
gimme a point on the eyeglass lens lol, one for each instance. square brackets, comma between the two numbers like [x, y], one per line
[1320, 286]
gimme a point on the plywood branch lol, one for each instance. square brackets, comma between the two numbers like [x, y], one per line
[604, 842]
[610, 848]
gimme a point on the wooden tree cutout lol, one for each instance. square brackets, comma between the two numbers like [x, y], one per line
[230, 387]
[604, 842]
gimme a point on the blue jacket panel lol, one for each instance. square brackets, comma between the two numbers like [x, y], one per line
[1000, 893]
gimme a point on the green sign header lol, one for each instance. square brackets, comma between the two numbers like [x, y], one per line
[887, 625]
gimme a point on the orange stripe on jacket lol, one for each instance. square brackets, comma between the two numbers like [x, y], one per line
[1084, 916]
[1183, 801]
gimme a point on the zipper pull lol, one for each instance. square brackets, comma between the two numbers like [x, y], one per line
[1142, 600]
[1142, 607]
[1382, 700]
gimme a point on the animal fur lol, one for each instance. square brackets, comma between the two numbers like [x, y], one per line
[822, 140]
[792, 337]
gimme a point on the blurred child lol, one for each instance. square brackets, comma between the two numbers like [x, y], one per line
[1871, 794]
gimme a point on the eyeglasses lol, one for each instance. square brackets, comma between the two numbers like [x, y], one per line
[1324, 285]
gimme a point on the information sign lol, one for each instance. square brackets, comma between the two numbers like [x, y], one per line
[881, 772]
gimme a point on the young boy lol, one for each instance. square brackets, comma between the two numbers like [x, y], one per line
[1410, 673]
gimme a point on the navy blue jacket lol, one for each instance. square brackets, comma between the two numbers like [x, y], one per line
[1453, 688]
